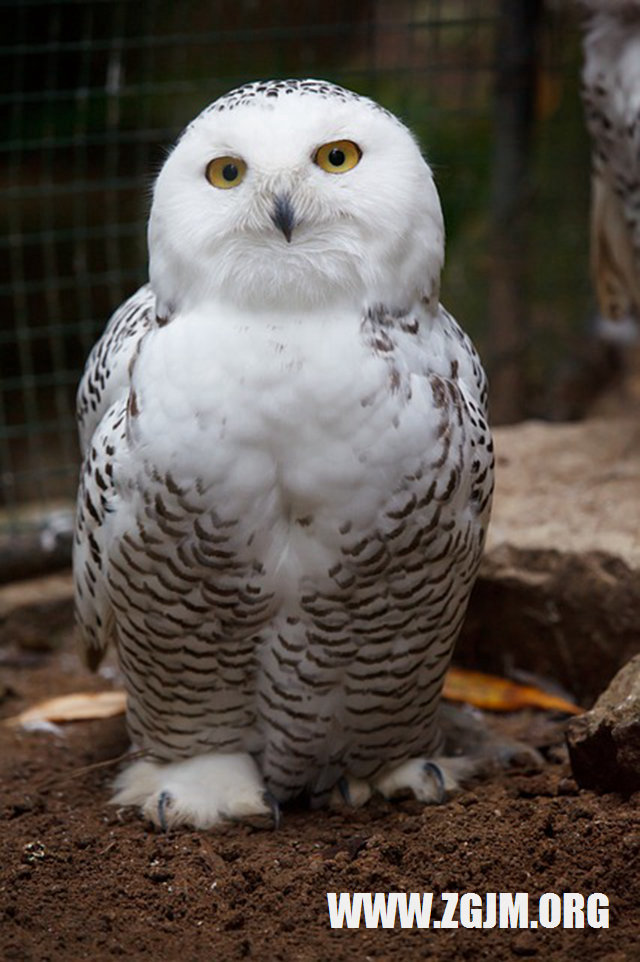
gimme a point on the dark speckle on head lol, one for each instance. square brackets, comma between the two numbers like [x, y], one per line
[262, 91]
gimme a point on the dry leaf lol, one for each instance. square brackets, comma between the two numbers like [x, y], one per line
[76, 707]
[499, 694]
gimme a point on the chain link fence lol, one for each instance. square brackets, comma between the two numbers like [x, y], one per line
[97, 90]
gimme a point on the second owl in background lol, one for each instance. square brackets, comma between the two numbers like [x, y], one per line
[287, 467]
[611, 94]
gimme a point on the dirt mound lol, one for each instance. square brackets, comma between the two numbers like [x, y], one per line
[81, 880]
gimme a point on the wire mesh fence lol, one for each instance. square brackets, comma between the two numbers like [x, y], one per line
[96, 92]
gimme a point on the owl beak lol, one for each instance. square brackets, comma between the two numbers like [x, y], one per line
[283, 215]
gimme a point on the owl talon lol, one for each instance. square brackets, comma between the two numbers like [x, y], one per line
[163, 800]
[343, 788]
[274, 806]
[430, 768]
[202, 791]
[350, 792]
[429, 781]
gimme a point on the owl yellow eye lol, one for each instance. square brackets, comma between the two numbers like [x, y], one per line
[338, 157]
[226, 172]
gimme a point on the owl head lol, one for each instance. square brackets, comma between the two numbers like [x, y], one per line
[294, 195]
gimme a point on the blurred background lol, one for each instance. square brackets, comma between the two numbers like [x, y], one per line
[95, 93]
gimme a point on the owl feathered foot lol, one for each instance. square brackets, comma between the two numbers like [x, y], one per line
[202, 791]
[471, 750]
[430, 780]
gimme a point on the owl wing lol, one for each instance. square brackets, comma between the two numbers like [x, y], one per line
[403, 579]
[101, 408]
[106, 373]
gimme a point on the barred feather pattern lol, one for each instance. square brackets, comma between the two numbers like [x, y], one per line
[107, 369]
[264, 598]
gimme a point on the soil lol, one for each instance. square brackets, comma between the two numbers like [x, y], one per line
[80, 879]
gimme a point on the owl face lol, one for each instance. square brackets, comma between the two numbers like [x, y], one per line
[291, 198]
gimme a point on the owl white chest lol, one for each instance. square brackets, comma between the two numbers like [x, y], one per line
[290, 419]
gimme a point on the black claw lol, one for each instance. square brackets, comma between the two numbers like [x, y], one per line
[163, 801]
[343, 788]
[432, 769]
[274, 805]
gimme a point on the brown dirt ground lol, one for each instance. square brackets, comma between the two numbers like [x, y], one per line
[80, 879]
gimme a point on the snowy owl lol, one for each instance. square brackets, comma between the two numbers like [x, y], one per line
[287, 467]
[611, 94]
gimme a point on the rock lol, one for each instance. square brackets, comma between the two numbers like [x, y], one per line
[39, 543]
[33, 613]
[559, 589]
[604, 743]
